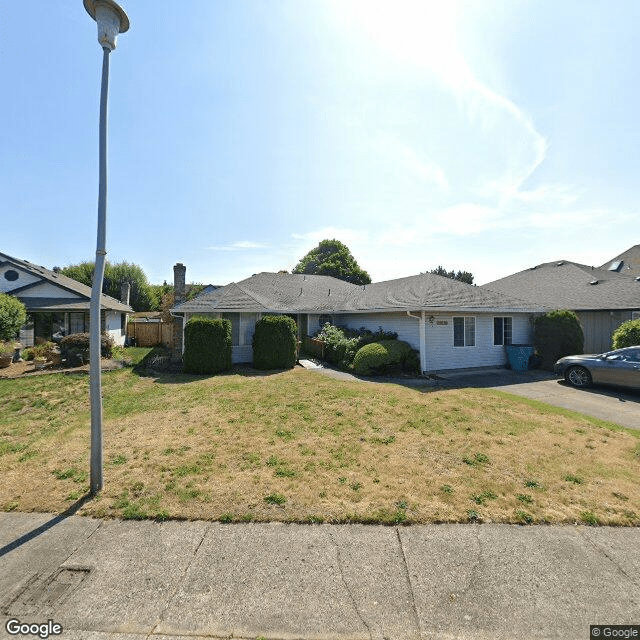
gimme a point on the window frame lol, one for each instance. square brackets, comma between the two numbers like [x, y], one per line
[503, 331]
[468, 331]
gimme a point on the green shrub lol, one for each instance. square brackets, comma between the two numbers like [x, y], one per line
[44, 350]
[274, 343]
[6, 347]
[76, 347]
[207, 345]
[342, 344]
[338, 349]
[13, 314]
[557, 334]
[386, 356]
[627, 334]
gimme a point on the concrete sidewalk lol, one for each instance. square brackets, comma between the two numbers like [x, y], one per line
[114, 580]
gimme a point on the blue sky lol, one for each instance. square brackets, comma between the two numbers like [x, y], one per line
[484, 135]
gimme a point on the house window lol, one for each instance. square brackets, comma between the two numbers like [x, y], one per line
[464, 331]
[11, 275]
[325, 319]
[502, 331]
[635, 315]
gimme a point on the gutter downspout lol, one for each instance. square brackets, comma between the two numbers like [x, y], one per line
[423, 340]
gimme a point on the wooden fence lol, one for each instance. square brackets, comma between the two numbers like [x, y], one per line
[150, 334]
[313, 347]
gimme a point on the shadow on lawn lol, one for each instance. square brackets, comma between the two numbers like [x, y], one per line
[158, 364]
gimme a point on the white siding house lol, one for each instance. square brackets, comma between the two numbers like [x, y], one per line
[451, 324]
[56, 303]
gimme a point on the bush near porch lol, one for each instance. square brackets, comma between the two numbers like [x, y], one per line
[386, 356]
[274, 343]
[367, 352]
[207, 345]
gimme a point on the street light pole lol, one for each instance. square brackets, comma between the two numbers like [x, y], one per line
[111, 20]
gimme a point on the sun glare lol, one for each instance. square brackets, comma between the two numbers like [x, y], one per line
[420, 32]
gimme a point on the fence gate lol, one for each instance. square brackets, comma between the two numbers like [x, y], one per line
[150, 334]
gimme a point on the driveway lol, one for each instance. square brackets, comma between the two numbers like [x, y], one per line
[614, 404]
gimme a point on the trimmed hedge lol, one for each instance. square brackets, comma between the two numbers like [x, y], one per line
[557, 334]
[207, 345]
[386, 356]
[75, 347]
[13, 314]
[274, 343]
[627, 334]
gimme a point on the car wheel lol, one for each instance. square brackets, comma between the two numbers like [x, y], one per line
[578, 377]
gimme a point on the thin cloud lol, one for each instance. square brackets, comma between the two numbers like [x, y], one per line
[239, 246]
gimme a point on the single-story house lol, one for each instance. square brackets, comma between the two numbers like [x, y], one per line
[58, 304]
[602, 298]
[627, 263]
[451, 324]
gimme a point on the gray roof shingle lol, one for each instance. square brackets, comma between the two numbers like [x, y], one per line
[296, 293]
[65, 283]
[569, 285]
[630, 262]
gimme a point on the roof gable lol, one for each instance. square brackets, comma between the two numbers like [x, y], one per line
[627, 263]
[68, 287]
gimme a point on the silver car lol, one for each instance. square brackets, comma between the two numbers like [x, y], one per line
[620, 367]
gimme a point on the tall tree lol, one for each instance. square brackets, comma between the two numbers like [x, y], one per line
[332, 258]
[13, 314]
[463, 276]
[143, 297]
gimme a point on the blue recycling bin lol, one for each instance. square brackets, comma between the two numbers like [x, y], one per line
[518, 356]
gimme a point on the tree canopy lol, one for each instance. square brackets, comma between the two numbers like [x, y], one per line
[463, 276]
[332, 258]
[13, 315]
[143, 297]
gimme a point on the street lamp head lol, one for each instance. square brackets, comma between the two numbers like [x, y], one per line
[111, 20]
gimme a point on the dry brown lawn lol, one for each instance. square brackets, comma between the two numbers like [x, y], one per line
[298, 446]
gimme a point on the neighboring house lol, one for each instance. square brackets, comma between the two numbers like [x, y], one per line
[627, 263]
[451, 324]
[210, 288]
[56, 303]
[601, 298]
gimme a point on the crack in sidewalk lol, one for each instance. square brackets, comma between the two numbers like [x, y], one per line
[473, 574]
[179, 581]
[405, 565]
[346, 586]
[597, 547]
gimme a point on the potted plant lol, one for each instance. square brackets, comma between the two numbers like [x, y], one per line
[6, 353]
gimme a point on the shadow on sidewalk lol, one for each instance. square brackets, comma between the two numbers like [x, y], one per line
[46, 526]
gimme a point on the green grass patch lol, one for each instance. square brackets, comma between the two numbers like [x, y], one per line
[319, 449]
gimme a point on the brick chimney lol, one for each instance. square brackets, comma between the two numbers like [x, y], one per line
[179, 292]
[179, 282]
[125, 293]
